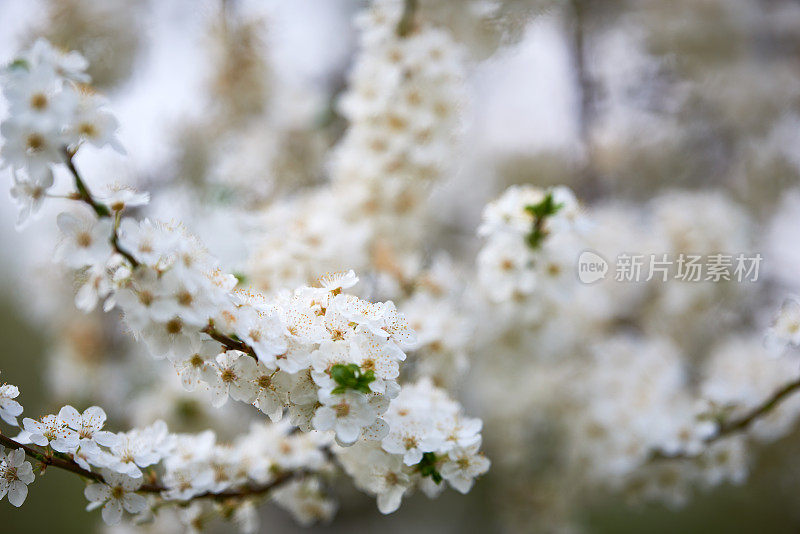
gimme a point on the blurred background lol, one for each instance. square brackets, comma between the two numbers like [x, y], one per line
[676, 123]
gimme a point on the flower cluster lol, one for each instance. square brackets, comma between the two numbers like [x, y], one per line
[430, 442]
[516, 256]
[136, 469]
[279, 353]
[51, 114]
[403, 105]
[330, 359]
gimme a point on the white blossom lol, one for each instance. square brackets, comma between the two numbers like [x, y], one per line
[116, 493]
[15, 475]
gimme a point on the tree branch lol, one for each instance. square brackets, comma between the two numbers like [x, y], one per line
[99, 208]
[738, 424]
[48, 459]
[229, 342]
[406, 24]
[741, 423]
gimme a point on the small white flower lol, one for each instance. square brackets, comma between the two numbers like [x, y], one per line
[397, 328]
[37, 95]
[263, 331]
[29, 194]
[412, 438]
[463, 466]
[170, 338]
[187, 481]
[118, 492]
[15, 475]
[30, 142]
[98, 286]
[140, 448]
[93, 124]
[465, 432]
[149, 242]
[120, 198]
[345, 413]
[337, 281]
[183, 298]
[85, 241]
[272, 392]
[233, 376]
[388, 479]
[51, 430]
[190, 366]
[71, 65]
[88, 425]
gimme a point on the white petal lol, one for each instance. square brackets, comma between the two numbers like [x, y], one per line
[348, 432]
[134, 503]
[324, 419]
[97, 492]
[16, 457]
[17, 492]
[389, 501]
[70, 415]
[112, 512]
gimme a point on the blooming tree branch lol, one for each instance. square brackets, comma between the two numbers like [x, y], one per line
[328, 359]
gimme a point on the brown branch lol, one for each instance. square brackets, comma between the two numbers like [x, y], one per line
[101, 210]
[48, 459]
[741, 423]
[229, 342]
[406, 24]
[738, 424]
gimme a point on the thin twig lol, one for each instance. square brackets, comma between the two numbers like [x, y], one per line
[84, 195]
[406, 24]
[83, 191]
[741, 423]
[738, 424]
[48, 459]
[229, 342]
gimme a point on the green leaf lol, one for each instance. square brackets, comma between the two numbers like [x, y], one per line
[540, 212]
[427, 467]
[350, 376]
[19, 63]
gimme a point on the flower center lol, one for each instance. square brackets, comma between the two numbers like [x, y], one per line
[10, 474]
[87, 129]
[174, 326]
[185, 298]
[39, 101]
[342, 409]
[227, 375]
[84, 239]
[34, 142]
[410, 442]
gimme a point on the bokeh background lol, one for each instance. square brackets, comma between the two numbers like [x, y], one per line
[624, 101]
